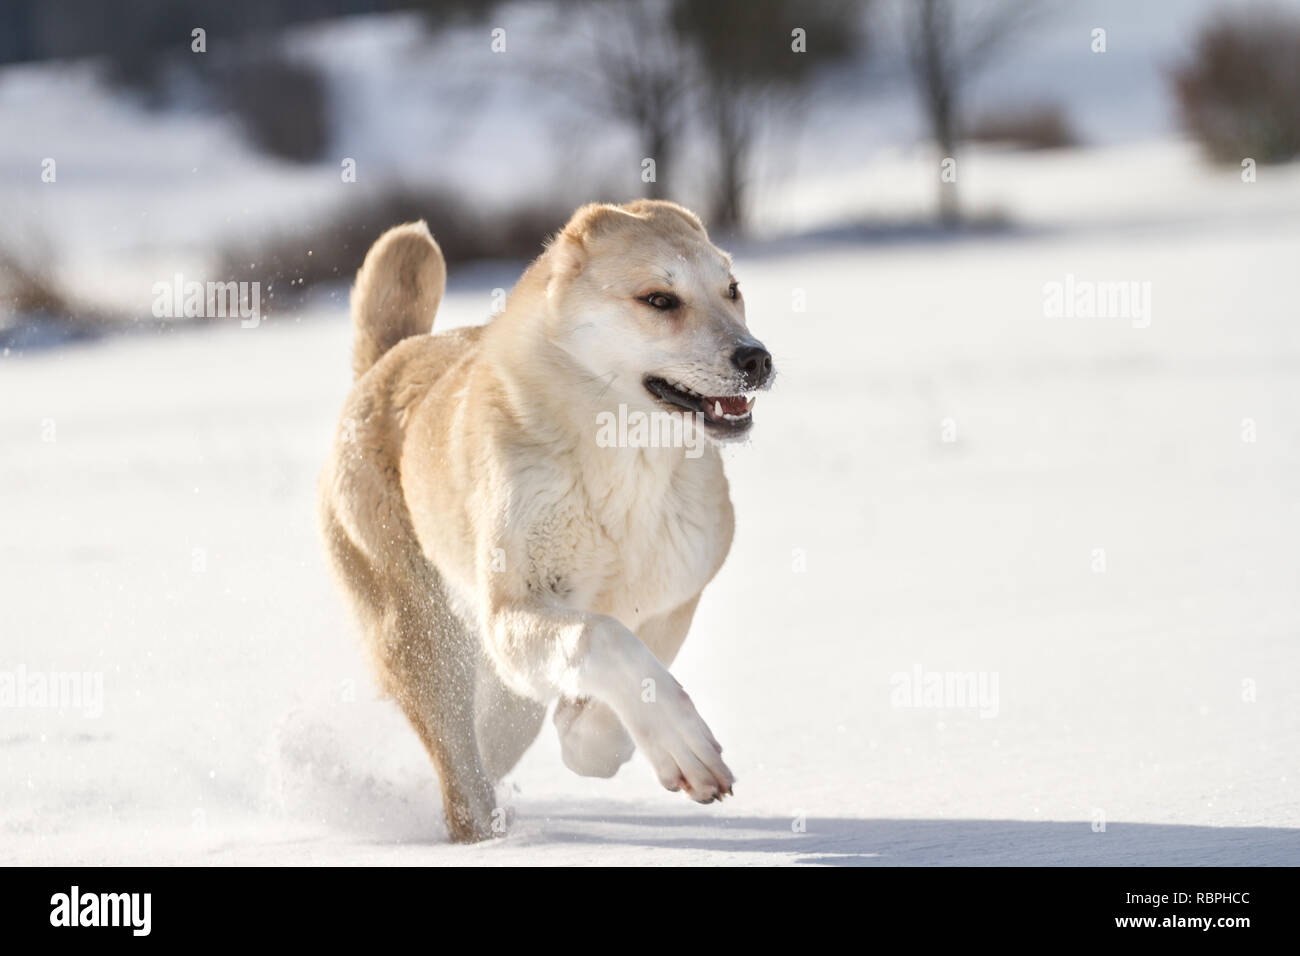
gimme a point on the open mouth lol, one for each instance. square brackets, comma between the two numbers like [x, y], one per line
[725, 414]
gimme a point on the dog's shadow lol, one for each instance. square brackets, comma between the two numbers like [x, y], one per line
[839, 841]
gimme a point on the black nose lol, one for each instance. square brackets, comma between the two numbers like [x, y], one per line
[754, 362]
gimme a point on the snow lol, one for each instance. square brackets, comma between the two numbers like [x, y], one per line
[165, 538]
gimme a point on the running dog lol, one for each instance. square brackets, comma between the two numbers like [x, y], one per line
[500, 557]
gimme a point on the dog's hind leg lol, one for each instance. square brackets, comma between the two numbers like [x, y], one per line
[429, 667]
[506, 724]
[593, 742]
[427, 662]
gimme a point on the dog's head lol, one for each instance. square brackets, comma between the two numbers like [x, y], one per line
[642, 300]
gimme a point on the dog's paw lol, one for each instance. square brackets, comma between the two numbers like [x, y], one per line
[593, 742]
[473, 814]
[679, 745]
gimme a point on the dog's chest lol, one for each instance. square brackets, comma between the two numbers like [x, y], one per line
[634, 546]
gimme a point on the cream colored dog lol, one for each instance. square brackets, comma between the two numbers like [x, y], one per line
[500, 550]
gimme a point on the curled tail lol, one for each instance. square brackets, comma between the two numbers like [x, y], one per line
[397, 292]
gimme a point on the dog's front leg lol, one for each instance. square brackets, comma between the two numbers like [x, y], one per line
[546, 651]
[593, 742]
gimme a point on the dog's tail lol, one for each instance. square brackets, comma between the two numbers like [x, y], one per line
[397, 292]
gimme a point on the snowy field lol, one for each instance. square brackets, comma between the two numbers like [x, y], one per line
[944, 479]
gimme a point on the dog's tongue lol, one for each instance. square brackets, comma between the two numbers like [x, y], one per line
[729, 405]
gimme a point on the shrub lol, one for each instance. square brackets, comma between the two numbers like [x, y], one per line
[35, 309]
[27, 288]
[1239, 95]
[331, 250]
[283, 105]
[1037, 127]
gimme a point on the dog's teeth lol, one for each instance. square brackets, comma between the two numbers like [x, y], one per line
[749, 402]
[717, 408]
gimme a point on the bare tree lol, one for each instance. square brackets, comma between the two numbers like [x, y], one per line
[948, 44]
[753, 54]
[637, 72]
[671, 68]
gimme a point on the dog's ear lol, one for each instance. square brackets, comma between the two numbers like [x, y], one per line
[570, 250]
[571, 247]
[596, 219]
[656, 208]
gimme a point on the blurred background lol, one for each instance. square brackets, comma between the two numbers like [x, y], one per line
[229, 141]
[1094, 506]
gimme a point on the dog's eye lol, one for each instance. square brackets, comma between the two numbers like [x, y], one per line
[733, 290]
[662, 301]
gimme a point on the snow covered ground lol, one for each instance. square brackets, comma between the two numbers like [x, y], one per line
[944, 479]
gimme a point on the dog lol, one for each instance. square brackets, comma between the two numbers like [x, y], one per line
[497, 555]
